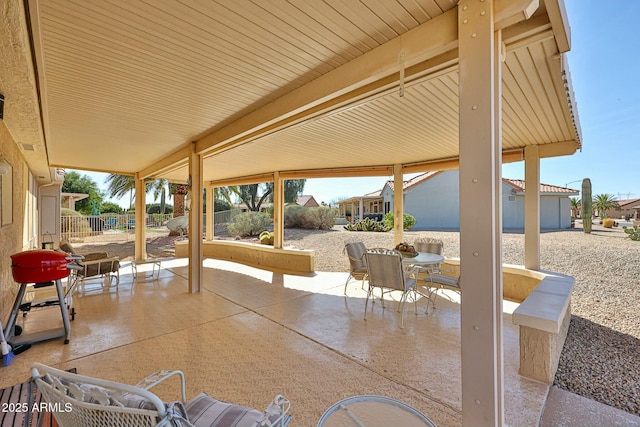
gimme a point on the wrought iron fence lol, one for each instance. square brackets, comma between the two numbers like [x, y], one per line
[108, 227]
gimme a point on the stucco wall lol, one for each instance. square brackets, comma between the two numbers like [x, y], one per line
[11, 236]
[435, 203]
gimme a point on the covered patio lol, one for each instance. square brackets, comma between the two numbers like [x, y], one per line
[252, 333]
[228, 93]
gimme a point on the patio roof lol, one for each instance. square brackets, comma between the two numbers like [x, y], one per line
[127, 87]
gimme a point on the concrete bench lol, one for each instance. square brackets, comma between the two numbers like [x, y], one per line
[543, 318]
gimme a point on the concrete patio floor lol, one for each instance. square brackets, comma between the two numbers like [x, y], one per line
[252, 334]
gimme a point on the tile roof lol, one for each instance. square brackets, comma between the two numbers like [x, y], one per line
[519, 185]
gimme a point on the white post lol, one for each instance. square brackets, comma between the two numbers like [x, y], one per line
[532, 208]
[480, 220]
[278, 211]
[140, 242]
[398, 204]
[195, 221]
[209, 229]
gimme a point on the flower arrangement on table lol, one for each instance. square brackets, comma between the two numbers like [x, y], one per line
[406, 250]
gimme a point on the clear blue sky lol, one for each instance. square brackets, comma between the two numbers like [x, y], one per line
[605, 68]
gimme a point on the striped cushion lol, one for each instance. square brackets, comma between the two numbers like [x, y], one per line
[205, 411]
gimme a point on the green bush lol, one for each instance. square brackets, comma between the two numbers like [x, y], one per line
[294, 216]
[632, 233]
[367, 224]
[319, 218]
[249, 224]
[408, 221]
[74, 222]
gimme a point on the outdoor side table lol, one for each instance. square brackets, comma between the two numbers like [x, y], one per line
[373, 411]
[155, 272]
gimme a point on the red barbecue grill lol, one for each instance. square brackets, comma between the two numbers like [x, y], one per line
[43, 268]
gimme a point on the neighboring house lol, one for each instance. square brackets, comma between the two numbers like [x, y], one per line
[305, 200]
[361, 207]
[433, 199]
[69, 199]
[627, 207]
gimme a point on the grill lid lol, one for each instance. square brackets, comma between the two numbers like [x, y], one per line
[39, 266]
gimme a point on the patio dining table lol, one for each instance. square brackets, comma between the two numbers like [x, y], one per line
[423, 259]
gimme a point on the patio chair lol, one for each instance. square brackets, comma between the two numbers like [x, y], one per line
[387, 272]
[432, 246]
[442, 281]
[357, 262]
[82, 401]
[96, 264]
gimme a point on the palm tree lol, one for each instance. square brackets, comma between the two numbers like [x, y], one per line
[576, 204]
[119, 185]
[604, 202]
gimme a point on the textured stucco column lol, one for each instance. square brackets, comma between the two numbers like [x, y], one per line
[540, 351]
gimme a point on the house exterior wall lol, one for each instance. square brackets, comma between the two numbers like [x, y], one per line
[16, 236]
[435, 204]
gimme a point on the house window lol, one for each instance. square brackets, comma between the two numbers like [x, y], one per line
[512, 198]
[387, 207]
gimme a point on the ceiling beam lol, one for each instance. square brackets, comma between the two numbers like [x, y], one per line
[560, 24]
[564, 148]
[176, 160]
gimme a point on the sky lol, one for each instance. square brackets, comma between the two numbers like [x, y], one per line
[604, 62]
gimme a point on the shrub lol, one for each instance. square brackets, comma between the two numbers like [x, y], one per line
[408, 221]
[249, 224]
[633, 233]
[294, 216]
[319, 218]
[74, 222]
[367, 224]
[607, 222]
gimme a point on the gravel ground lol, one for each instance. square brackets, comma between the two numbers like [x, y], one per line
[601, 356]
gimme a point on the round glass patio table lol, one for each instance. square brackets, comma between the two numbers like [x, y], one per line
[373, 411]
[423, 258]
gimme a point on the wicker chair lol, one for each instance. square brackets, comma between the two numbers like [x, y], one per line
[81, 401]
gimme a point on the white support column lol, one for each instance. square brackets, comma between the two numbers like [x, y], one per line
[480, 220]
[210, 227]
[532, 208]
[361, 208]
[195, 221]
[398, 205]
[140, 243]
[278, 211]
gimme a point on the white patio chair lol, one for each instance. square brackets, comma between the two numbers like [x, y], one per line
[387, 272]
[81, 401]
[357, 262]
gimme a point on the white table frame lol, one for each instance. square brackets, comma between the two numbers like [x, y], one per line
[155, 274]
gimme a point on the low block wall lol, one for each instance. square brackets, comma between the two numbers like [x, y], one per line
[543, 318]
[286, 260]
[517, 281]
